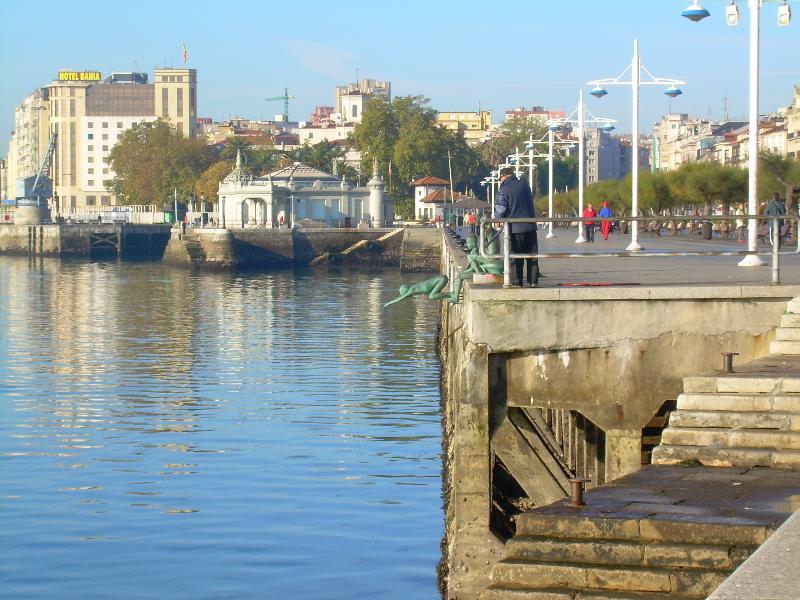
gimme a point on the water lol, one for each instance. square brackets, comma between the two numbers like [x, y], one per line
[165, 434]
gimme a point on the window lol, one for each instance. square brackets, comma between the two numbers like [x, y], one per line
[105, 171]
[90, 148]
[179, 102]
[90, 124]
[105, 148]
[355, 111]
[119, 124]
[180, 77]
[91, 200]
[91, 136]
[105, 136]
[90, 171]
[90, 182]
[164, 102]
[105, 124]
[90, 159]
[106, 183]
[105, 200]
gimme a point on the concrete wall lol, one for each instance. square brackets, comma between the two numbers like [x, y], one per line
[269, 248]
[61, 239]
[612, 354]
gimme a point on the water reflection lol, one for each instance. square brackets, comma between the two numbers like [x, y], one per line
[245, 430]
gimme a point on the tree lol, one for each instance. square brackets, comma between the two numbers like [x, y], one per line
[320, 156]
[207, 185]
[510, 137]
[151, 160]
[779, 174]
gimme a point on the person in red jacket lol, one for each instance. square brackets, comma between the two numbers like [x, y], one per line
[589, 211]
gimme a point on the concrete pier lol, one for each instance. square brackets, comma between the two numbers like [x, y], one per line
[543, 385]
[83, 239]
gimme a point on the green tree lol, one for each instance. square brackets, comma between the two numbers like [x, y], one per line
[779, 174]
[207, 185]
[320, 156]
[151, 160]
[510, 137]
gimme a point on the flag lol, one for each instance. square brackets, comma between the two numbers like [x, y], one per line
[390, 168]
[183, 52]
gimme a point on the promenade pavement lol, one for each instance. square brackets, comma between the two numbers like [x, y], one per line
[654, 271]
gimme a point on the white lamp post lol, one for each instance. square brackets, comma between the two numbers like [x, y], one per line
[578, 117]
[695, 12]
[635, 82]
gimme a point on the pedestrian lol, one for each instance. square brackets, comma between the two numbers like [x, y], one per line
[776, 208]
[740, 223]
[471, 221]
[588, 212]
[514, 201]
[606, 213]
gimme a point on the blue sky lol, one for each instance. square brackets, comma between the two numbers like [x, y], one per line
[457, 53]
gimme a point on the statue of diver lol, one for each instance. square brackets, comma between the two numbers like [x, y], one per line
[433, 287]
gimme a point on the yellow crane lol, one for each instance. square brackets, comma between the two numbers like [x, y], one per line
[286, 98]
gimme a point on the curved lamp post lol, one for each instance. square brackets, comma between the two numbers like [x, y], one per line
[695, 13]
[636, 68]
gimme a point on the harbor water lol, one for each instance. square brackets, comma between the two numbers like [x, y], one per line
[168, 434]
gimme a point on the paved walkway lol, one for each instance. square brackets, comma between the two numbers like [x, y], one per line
[695, 270]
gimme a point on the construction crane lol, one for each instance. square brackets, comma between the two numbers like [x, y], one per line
[286, 98]
[32, 190]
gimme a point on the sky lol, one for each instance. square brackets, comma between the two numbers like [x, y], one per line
[457, 53]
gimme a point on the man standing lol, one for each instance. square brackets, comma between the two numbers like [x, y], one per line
[776, 208]
[514, 201]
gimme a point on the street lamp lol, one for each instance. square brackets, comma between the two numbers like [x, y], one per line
[732, 18]
[636, 67]
[578, 117]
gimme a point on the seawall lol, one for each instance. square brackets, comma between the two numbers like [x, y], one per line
[602, 359]
[223, 249]
[83, 239]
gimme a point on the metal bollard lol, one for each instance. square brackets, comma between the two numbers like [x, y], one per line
[727, 361]
[576, 495]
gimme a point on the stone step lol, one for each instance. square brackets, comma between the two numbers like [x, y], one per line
[707, 556]
[783, 348]
[731, 438]
[765, 402]
[578, 527]
[790, 320]
[580, 576]
[741, 384]
[666, 454]
[787, 334]
[782, 421]
[508, 593]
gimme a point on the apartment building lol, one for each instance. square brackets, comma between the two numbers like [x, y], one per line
[474, 126]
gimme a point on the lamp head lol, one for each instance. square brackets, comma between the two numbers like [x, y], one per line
[528, 146]
[732, 14]
[784, 14]
[673, 91]
[695, 12]
[598, 92]
[607, 127]
[554, 127]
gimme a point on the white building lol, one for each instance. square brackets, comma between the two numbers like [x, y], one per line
[300, 195]
[428, 192]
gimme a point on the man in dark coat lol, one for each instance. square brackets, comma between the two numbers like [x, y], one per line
[514, 200]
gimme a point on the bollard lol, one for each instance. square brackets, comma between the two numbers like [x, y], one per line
[727, 361]
[576, 495]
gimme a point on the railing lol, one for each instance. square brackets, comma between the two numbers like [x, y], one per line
[507, 256]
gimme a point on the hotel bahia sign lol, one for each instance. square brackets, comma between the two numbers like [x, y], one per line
[79, 75]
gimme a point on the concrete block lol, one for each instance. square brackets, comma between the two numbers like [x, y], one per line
[786, 403]
[501, 593]
[789, 334]
[730, 419]
[786, 459]
[687, 532]
[546, 550]
[746, 385]
[783, 348]
[711, 457]
[699, 385]
[790, 320]
[695, 437]
[688, 555]
[793, 306]
[638, 580]
[696, 583]
[725, 402]
[577, 527]
[521, 574]
[764, 439]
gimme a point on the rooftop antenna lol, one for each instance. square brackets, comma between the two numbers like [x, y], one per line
[725, 108]
[356, 76]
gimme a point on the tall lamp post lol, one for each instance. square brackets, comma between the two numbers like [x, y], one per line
[695, 12]
[578, 117]
[553, 139]
[636, 68]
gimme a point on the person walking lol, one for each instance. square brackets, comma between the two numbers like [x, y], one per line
[740, 223]
[589, 211]
[605, 226]
[514, 200]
